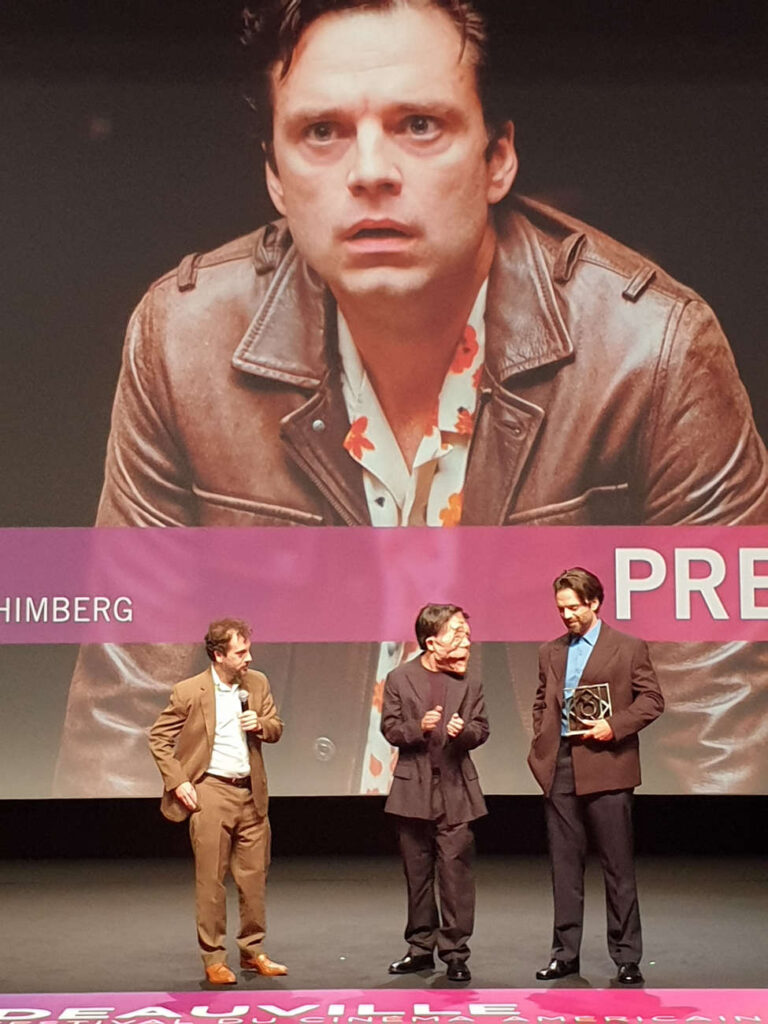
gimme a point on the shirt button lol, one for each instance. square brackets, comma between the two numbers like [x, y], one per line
[318, 426]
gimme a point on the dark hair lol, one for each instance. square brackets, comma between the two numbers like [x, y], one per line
[221, 632]
[273, 32]
[582, 582]
[431, 620]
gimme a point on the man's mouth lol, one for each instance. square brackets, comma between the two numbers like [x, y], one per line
[378, 236]
[379, 233]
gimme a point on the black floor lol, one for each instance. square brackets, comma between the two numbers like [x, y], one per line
[90, 926]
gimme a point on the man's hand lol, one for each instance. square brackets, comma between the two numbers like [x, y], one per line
[185, 794]
[600, 731]
[455, 725]
[249, 721]
[431, 719]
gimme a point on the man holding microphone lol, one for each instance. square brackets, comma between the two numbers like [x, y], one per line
[207, 745]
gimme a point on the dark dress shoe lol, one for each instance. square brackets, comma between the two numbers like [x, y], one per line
[558, 969]
[458, 971]
[410, 964]
[629, 974]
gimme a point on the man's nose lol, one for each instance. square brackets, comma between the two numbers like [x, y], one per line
[374, 167]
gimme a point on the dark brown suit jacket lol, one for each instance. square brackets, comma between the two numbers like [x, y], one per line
[406, 701]
[181, 740]
[624, 664]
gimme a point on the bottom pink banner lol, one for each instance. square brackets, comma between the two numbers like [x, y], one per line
[352, 1006]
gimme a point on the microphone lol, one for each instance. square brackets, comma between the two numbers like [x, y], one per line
[242, 696]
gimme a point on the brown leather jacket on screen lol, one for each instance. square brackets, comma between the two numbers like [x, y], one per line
[610, 396]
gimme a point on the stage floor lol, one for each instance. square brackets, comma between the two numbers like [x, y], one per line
[127, 926]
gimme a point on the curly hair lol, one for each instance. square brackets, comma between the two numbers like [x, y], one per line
[221, 632]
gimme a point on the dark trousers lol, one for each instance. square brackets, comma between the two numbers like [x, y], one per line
[607, 819]
[430, 848]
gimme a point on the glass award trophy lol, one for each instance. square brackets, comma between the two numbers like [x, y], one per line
[588, 705]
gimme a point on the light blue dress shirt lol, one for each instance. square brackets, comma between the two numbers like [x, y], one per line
[579, 650]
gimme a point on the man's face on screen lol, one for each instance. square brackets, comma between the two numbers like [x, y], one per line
[380, 161]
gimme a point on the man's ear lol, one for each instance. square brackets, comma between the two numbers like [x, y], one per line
[502, 164]
[274, 185]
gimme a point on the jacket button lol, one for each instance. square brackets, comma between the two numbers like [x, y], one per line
[324, 749]
[318, 426]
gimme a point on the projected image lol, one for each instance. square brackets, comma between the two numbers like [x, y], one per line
[411, 341]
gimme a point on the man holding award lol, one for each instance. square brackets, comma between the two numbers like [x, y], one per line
[597, 689]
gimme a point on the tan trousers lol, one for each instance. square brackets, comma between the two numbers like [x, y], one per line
[228, 835]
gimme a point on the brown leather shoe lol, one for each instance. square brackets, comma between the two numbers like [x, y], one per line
[219, 974]
[263, 965]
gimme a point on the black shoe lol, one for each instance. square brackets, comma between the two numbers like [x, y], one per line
[458, 971]
[558, 969]
[410, 964]
[629, 974]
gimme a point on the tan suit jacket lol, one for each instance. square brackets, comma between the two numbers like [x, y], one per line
[624, 664]
[181, 740]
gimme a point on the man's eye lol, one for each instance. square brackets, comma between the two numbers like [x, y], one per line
[323, 131]
[421, 125]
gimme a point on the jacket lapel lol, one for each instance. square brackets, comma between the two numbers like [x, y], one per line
[558, 663]
[292, 340]
[596, 666]
[524, 331]
[208, 705]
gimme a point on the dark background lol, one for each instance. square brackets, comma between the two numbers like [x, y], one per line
[356, 825]
[126, 143]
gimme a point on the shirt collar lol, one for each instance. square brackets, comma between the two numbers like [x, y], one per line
[356, 378]
[217, 682]
[590, 637]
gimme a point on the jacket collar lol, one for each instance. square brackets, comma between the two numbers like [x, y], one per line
[286, 340]
[291, 339]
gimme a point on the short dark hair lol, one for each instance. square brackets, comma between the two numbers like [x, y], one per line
[431, 620]
[582, 582]
[272, 32]
[221, 632]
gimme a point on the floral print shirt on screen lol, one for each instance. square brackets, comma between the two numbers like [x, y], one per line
[428, 495]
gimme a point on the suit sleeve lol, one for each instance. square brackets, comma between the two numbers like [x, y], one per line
[539, 701]
[475, 731]
[270, 722]
[701, 460]
[147, 481]
[162, 740]
[647, 700]
[403, 733]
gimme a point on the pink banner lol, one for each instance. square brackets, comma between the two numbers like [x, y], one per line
[345, 1006]
[363, 584]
